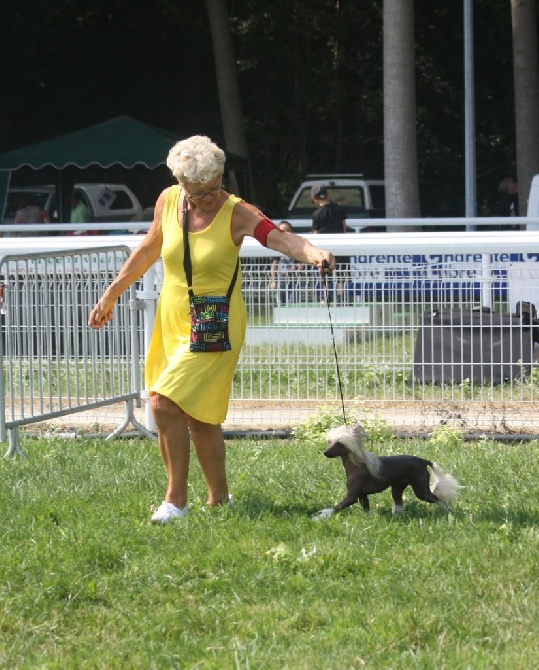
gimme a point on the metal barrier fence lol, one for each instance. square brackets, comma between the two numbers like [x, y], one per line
[413, 351]
[53, 364]
[426, 329]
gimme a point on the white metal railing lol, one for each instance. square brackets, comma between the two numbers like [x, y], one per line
[76, 231]
[399, 331]
[52, 364]
[395, 292]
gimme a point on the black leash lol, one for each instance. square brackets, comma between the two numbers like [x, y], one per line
[324, 273]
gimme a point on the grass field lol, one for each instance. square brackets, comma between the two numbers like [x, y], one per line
[86, 581]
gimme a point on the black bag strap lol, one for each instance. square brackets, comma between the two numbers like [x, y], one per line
[187, 258]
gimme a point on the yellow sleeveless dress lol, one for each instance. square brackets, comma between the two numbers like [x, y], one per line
[199, 383]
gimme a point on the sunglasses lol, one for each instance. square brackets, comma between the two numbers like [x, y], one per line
[197, 195]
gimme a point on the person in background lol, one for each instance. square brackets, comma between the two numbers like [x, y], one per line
[330, 218]
[29, 212]
[189, 383]
[79, 211]
[284, 274]
[508, 200]
[81, 214]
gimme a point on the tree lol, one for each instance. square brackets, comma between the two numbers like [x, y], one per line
[311, 78]
[227, 83]
[526, 77]
[400, 145]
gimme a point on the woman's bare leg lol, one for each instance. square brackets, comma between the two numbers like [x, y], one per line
[211, 453]
[173, 435]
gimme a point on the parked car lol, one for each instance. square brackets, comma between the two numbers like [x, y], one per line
[360, 198]
[105, 202]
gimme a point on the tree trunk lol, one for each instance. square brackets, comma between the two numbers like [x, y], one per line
[400, 144]
[526, 76]
[227, 84]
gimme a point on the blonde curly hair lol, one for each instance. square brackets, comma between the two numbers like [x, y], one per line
[196, 159]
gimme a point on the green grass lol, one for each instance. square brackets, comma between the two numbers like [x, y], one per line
[87, 582]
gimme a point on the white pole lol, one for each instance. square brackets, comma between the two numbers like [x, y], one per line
[469, 114]
[149, 296]
[486, 281]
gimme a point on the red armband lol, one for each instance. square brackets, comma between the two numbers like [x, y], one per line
[263, 229]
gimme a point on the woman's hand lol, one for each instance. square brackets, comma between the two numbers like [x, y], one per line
[299, 248]
[325, 261]
[101, 314]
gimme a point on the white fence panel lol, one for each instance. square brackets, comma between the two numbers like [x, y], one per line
[400, 293]
[378, 330]
[53, 365]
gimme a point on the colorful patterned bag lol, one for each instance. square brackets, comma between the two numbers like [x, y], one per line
[209, 322]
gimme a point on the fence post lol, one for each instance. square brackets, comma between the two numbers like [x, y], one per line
[486, 281]
[149, 296]
[2, 331]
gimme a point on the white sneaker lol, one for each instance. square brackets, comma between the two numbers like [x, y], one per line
[167, 512]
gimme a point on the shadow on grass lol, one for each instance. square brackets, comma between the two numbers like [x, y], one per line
[496, 515]
[501, 515]
[256, 505]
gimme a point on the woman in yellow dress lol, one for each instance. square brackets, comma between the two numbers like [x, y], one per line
[189, 389]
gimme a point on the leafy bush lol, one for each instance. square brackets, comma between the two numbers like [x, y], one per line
[317, 425]
[447, 436]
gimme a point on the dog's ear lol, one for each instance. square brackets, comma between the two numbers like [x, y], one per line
[358, 433]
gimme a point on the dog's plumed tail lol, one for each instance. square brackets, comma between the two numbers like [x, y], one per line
[444, 485]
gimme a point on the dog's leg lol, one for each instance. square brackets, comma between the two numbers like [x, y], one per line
[398, 504]
[364, 500]
[443, 490]
[323, 514]
[330, 511]
[420, 486]
[351, 499]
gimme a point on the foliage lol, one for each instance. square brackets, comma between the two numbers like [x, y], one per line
[447, 436]
[87, 581]
[378, 432]
[315, 427]
[310, 76]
